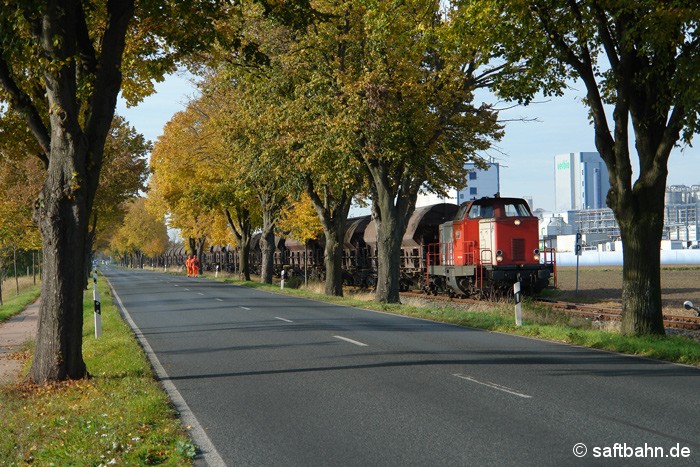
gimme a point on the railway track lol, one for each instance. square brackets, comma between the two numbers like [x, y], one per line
[615, 314]
[593, 312]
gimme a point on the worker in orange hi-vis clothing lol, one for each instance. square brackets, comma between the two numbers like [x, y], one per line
[195, 266]
[188, 265]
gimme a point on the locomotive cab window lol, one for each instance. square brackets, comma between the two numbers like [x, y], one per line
[479, 211]
[516, 210]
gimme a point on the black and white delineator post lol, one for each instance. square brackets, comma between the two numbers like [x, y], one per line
[282, 281]
[517, 296]
[98, 311]
[578, 248]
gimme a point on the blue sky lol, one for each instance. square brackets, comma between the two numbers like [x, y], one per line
[526, 153]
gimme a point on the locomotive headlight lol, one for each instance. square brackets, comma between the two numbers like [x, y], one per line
[499, 256]
[516, 222]
[536, 255]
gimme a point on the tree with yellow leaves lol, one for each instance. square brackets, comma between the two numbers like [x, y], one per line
[141, 235]
[299, 221]
[174, 183]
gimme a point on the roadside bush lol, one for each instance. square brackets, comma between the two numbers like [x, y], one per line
[294, 282]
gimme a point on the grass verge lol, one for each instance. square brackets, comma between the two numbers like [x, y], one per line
[119, 416]
[539, 321]
[16, 303]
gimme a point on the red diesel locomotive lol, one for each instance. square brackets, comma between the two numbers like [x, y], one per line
[491, 244]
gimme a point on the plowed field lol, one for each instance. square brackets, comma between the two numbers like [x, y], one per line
[603, 285]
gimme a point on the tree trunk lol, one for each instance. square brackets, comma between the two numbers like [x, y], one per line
[391, 209]
[389, 236]
[200, 253]
[333, 260]
[268, 247]
[244, 260]
[641, 231]
[333, 212]
[641, 285]
[243, 237]
[62, 219]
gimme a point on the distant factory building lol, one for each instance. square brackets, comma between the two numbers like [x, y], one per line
[479, 183]
[580, 181]
[681, 219]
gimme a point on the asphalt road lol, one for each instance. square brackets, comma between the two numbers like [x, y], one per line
[277, 380]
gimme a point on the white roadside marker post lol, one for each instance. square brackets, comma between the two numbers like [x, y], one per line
[98, 311]
[518, 304]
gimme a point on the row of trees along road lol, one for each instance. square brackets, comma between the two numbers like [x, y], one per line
[377, 88]
[375, 100]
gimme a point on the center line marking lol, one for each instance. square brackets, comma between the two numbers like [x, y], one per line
[218, 299]
[351, 341]
[493, 386]
[200, 293]
[187, 288]
[283, 319]
[245, 308]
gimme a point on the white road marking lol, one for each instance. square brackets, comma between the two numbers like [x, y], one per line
[493, 386]
[176, 285]
[351, 341]
[218, 300]
[187, 289]
[282, 319]
[245, 308]
[200, 293]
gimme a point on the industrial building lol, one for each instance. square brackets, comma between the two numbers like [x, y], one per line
[580, 181]
[681, 208]
[681, 219]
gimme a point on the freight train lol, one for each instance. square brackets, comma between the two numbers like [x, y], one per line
[478, 248]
